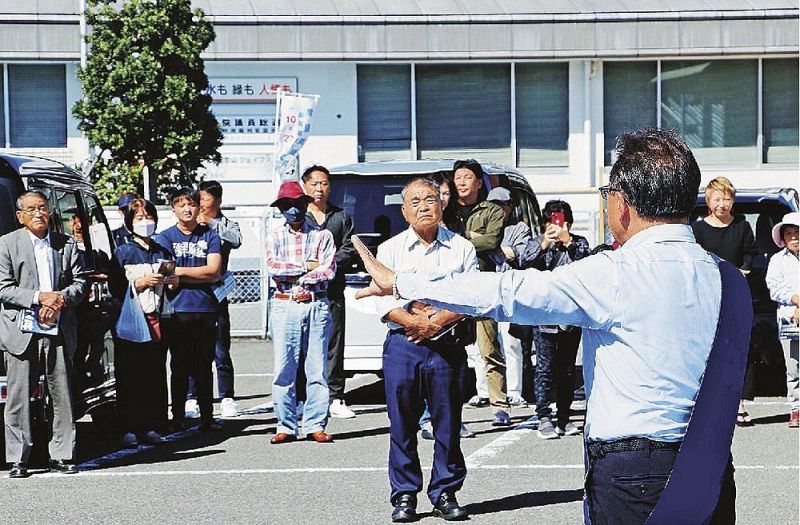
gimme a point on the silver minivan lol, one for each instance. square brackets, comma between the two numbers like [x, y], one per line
[370, 193]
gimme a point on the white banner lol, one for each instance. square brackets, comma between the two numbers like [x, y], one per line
[294, 116]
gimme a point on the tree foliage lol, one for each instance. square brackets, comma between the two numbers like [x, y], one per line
[144, 84]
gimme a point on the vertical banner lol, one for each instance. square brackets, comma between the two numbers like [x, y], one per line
[294, 114]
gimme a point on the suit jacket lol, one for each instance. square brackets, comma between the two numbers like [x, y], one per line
[19, 280]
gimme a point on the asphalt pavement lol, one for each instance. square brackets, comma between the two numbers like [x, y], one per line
[236, 476]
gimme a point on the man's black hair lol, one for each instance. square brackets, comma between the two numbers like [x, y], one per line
[556, 206]
[471, 164]
[212, 187]
[311, 169]
[189, 193]
[656, 173]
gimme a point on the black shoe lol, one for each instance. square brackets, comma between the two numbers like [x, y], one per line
[210, 426]
[405, 509]
[18, 470]
[447, 508]
[62, 467]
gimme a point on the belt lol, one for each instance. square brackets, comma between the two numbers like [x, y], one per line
[598, 449]
[302, 297]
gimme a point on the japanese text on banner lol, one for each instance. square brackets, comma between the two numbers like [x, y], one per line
[295, 114]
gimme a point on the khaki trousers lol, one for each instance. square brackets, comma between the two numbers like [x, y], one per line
[493, 358]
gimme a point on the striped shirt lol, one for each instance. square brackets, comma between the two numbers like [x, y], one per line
[289, 251]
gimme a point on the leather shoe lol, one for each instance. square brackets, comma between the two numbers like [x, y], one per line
[282, 437]
[447, 507]
[18, 470]
[405, 509]
[62, 467]
[320, 437]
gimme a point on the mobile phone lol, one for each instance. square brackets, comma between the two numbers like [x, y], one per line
[557, 218]
[166, 267]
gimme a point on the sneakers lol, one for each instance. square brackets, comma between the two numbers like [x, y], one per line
[501, 419]
[191, 409]
[465, 432]
[129, 440]
[546, 429]
[478, 402]
[228, 408]
[339, 410]
[151, 437]
[794, 419]
[427, 431]
[515, 401]
[568, 430]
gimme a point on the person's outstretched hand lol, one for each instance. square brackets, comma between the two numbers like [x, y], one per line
[382, 277]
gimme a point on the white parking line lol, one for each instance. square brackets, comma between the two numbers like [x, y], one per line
[487, 452]
[265, 374]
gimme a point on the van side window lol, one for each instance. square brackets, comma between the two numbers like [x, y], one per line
[8, 219]
[99, 236]
[67, 216]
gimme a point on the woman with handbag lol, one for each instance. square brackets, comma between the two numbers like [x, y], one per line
[140, 353]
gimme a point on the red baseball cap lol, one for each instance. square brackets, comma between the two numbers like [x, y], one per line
[291, 189]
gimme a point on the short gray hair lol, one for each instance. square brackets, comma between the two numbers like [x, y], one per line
[31, 193]
[422, 180]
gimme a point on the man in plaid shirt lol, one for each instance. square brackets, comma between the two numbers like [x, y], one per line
[301, 261]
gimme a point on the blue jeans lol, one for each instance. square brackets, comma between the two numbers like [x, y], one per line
[414, 374]
[300, 329]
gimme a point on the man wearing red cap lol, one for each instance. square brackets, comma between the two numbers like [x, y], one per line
[301, 261]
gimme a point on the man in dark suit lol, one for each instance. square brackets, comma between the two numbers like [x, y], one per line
[40, 275]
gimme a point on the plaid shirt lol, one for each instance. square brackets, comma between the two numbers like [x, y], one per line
[288, 253]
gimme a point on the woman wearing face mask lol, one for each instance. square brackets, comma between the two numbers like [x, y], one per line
[140, 368]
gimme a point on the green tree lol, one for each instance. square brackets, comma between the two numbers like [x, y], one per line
[144, 89]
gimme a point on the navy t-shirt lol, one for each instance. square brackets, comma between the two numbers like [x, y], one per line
[190, 251]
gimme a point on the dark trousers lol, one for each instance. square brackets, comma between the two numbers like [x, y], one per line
[554, 379]
[624, 487]
[335, 364]
[222, 356]
[43, 355]
[141, 378]
[191, 340]
[413, 374]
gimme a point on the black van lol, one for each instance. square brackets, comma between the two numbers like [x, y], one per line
[76, 211]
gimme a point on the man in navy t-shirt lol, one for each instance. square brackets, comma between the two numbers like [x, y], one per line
[192, 330]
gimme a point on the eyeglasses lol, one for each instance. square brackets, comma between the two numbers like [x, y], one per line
[605, 190]
[43, 210]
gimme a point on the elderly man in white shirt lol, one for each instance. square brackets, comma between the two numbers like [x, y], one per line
[40, 276]
[420, 364]
[783, 279]
[650, 312]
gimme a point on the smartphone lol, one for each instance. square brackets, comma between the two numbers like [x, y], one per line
[557, 218]
[166, 267]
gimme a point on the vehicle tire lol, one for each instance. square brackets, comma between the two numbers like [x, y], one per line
[105, 418]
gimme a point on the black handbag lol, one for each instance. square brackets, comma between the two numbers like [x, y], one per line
[462, 333]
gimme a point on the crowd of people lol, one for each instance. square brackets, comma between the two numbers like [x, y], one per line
[539, 296]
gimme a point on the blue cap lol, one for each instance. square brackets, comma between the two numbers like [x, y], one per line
[125, 200]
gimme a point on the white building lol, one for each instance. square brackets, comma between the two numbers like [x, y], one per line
[541, 85]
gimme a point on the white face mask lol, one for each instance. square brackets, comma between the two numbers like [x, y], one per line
[145, 228]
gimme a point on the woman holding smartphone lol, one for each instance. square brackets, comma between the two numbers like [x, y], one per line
[556, 346]
[140, 368]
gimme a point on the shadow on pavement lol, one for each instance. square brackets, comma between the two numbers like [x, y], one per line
[767, 420]
[524, 501]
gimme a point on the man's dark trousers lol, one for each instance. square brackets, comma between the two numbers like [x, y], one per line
[624, 487]
[414, 373]
[191, 338]
[335, 363]
[222, 356]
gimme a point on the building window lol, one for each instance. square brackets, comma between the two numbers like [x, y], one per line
[464, 111]
[713, 105]
[780, 129]
[384, 112]
[629, 100]
[542, 114]
[37, 106]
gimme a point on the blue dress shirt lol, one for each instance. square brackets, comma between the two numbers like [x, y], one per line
[649, 312]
